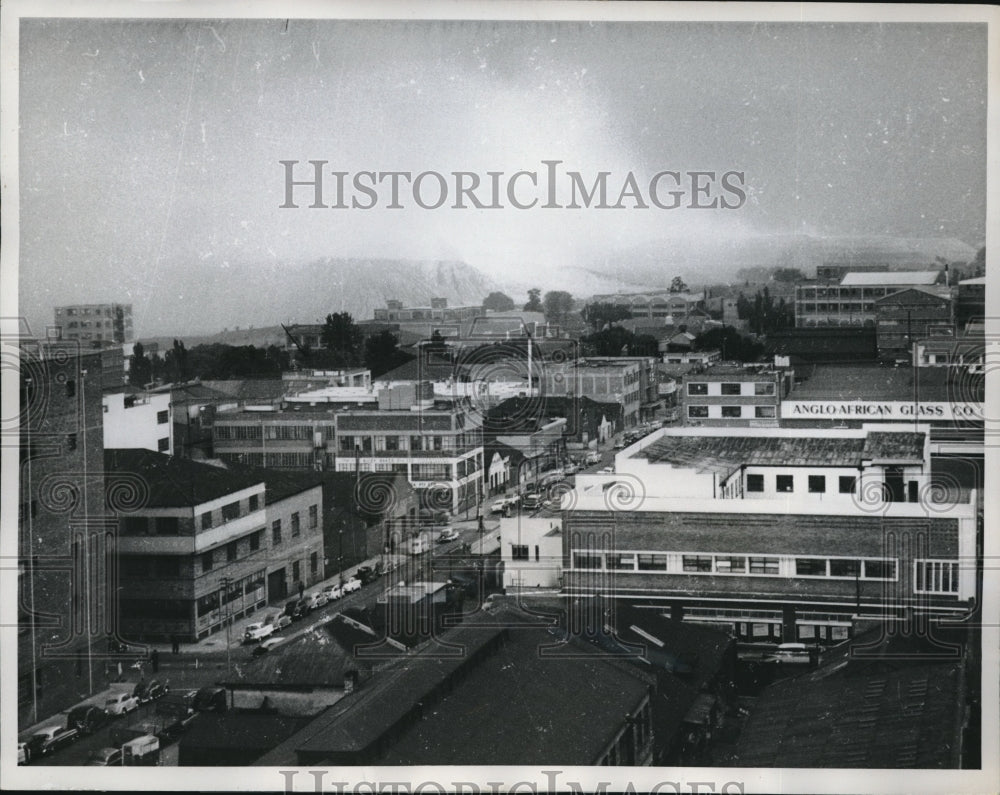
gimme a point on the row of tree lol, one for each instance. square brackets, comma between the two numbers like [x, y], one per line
[556, 305]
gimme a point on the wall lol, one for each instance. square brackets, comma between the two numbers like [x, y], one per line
[139, 426]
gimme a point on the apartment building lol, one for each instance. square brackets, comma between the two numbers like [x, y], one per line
[735, 396]
[95, 324]
[630, 381]
[852, 302]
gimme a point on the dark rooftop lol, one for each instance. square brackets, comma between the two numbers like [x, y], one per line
[172, 482]
[279, 483]
[930, 384]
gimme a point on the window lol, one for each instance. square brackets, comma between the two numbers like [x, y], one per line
[844, 568]
[697, 411]
[254, 502]
[295, 571]
[755, 482]
[391, 442]
[697, 562]
[652, 562]
[313, 563]
[618, 562]
[880, 570]
[731, 564]
[697, 389]
[764, 412]
[231, 550]
[580, 561]
[763, 389]
[167, 525]
[162, 417]
[936, 576]
[810, 567]
[255, 541]
[231, 511]
[537, 556]
[206, 520]
[346, 444]
[784, 483]
[847, 484]
[817, 484]
[163, 445]
[206, 561]
[276, 531]
[296, 530]
[730, 389]
[763, 565]
[313, 516]
[519, 552]
[732, 412]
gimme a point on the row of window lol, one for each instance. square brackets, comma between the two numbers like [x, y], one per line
[233, 551]
[764, 565]
[812, 293]
[251, 585]
[734, 412]
[86, 324]
[730, 388]
[416, 442]
[271, 433]
[816, 483]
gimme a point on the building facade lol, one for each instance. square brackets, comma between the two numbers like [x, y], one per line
[143, 420]
[630, 381]
[531, 551]
[282, 439]
[95, 324]
[852, 302]
[735, 396]
[908, 315]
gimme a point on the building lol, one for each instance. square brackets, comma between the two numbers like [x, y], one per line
[964, 353]
[531, 551]
[64, 607]
[434, 708]
[786, 536]
[200, 545]
[424, 320]
[692, 357]
[747, 396]
[823, 344]
[908, 315]
[96, 325]
[630, 381]
[970, 301]
[663, 305]
[852, 302]
[140, 420]
[276, 439]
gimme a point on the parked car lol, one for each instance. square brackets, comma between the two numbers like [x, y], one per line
[606, 471]
[256, 632]
[149, 691]
[121, 704]
[310, 602]
[446, 535]
[23, 756]
[49, 739]
[352, 585]
[322, 599]
[297, 609]
[211, 699]
[368, 574]
[290, 609]
[593, 457]
[278, 620]
[266, 646]
[106, 757]
[571, 469]
[333, 592]
[532, 501]
[87, 718]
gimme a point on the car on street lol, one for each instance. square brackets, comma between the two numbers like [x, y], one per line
[266, 646]
[322, 599]
[593, 457]
[606, 471]
[87, 718]
[106, 757]
[299, 609]
[497, 506]
[532, 501]
[121, 704]
[352, 585]
[311, 601]
[571, 469]
[213, 699]
[256, 632]
[49, 739]
[333, 592]
[150, 691]
[446, 535]
[278, 620]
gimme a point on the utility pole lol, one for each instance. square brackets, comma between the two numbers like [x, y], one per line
[225, 595]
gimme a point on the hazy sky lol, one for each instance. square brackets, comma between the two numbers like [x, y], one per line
[148, 145]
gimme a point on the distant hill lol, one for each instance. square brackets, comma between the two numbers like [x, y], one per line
[267, 294]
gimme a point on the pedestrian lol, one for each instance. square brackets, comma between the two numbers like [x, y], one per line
[175, 645]
[154, 658]
[302, 590]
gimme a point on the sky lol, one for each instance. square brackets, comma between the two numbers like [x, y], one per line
[147, 146]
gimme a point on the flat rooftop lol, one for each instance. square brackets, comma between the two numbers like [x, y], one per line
[889, 278]
[875, 382]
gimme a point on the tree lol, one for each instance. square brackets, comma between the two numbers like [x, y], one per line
[557, 305]
[176, 362]
[678, 285]
[498, 302]
[140, 369]
[613, 341]
[534, 301]
[601, 314]
[382, 353]
[732, 344]
[343, 340]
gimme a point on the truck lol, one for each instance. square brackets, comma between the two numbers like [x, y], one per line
[143, 750]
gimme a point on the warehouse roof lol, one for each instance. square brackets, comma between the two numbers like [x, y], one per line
[889, 278]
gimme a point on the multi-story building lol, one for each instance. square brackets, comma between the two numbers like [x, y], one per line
[964, 352]
[735, 396]
[663, 305]
[970, 302]
[630, 381]
[95, 324]
[141, 420]
[64, 606]
[280, 439]
[531, 551]
[200, 545]
[852, 302]
[907, 315]
[786, 536]
[438, 446]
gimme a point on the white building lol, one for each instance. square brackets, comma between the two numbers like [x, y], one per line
[141, 421]
[531, 551]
